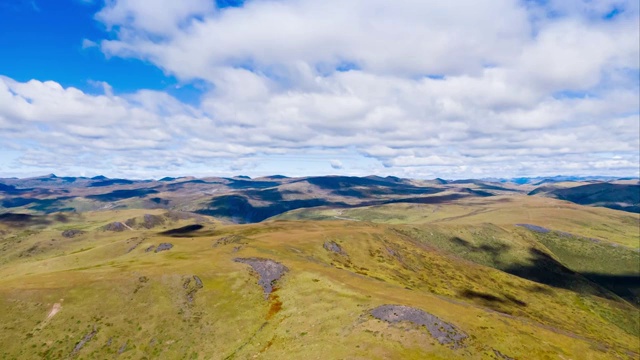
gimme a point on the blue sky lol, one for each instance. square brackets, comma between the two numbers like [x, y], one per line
[410, 88]
[45, 42]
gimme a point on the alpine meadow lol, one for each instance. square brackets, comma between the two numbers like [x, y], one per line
[304, 179]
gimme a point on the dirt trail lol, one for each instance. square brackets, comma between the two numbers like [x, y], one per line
[54, 310]
[344, 218]
[339, 217]
[127, 226]
[472, 213]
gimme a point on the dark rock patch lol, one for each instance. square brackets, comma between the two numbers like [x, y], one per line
[269, 272]
[84, 340]
[535, 228]
[123, 348]
[226, 240]
[72, 233]
[199, 284]
[151, 221]
[192, 287]
[334, 247]
[443, 332]
[164, 247]
[150, 248]
[136, 242]
[502, 356]
[115, 226]
[148, 221]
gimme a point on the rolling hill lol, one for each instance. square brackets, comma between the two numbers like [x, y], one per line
[305, 268]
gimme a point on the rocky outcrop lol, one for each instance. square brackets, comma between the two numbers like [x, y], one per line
[333, 247]
[84, 340]
[115, 226]
[269, 272]
[150, 221]
[72, 233]
[443, 332]
[164, 247]
[192, 287]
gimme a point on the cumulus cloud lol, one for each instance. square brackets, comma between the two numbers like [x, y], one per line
[160, 17]
[425, 88]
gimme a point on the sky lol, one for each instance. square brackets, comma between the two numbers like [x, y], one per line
[409, 88]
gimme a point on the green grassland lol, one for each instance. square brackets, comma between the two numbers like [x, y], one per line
[601, 223]
[512, 291]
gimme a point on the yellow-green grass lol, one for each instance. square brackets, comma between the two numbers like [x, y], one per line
[609, 225]
[21, 246]
[139, 298]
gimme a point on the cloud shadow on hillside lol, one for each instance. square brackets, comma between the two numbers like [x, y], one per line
[546, 270]
[17, 220]
[122, 194]
[240, 210]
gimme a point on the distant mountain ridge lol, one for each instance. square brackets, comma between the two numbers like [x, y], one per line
[561, 178]
[243, 199]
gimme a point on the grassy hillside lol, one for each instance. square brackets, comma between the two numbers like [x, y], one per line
[100, 293]
[607, 225]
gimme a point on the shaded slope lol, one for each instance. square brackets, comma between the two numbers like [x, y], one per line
[239, 209]
[614, 196]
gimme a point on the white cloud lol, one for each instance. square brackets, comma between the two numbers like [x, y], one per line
[158, 17]
[336, 164]
[479, 88]
[106, 88]
[86, 44]
[404, 37]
